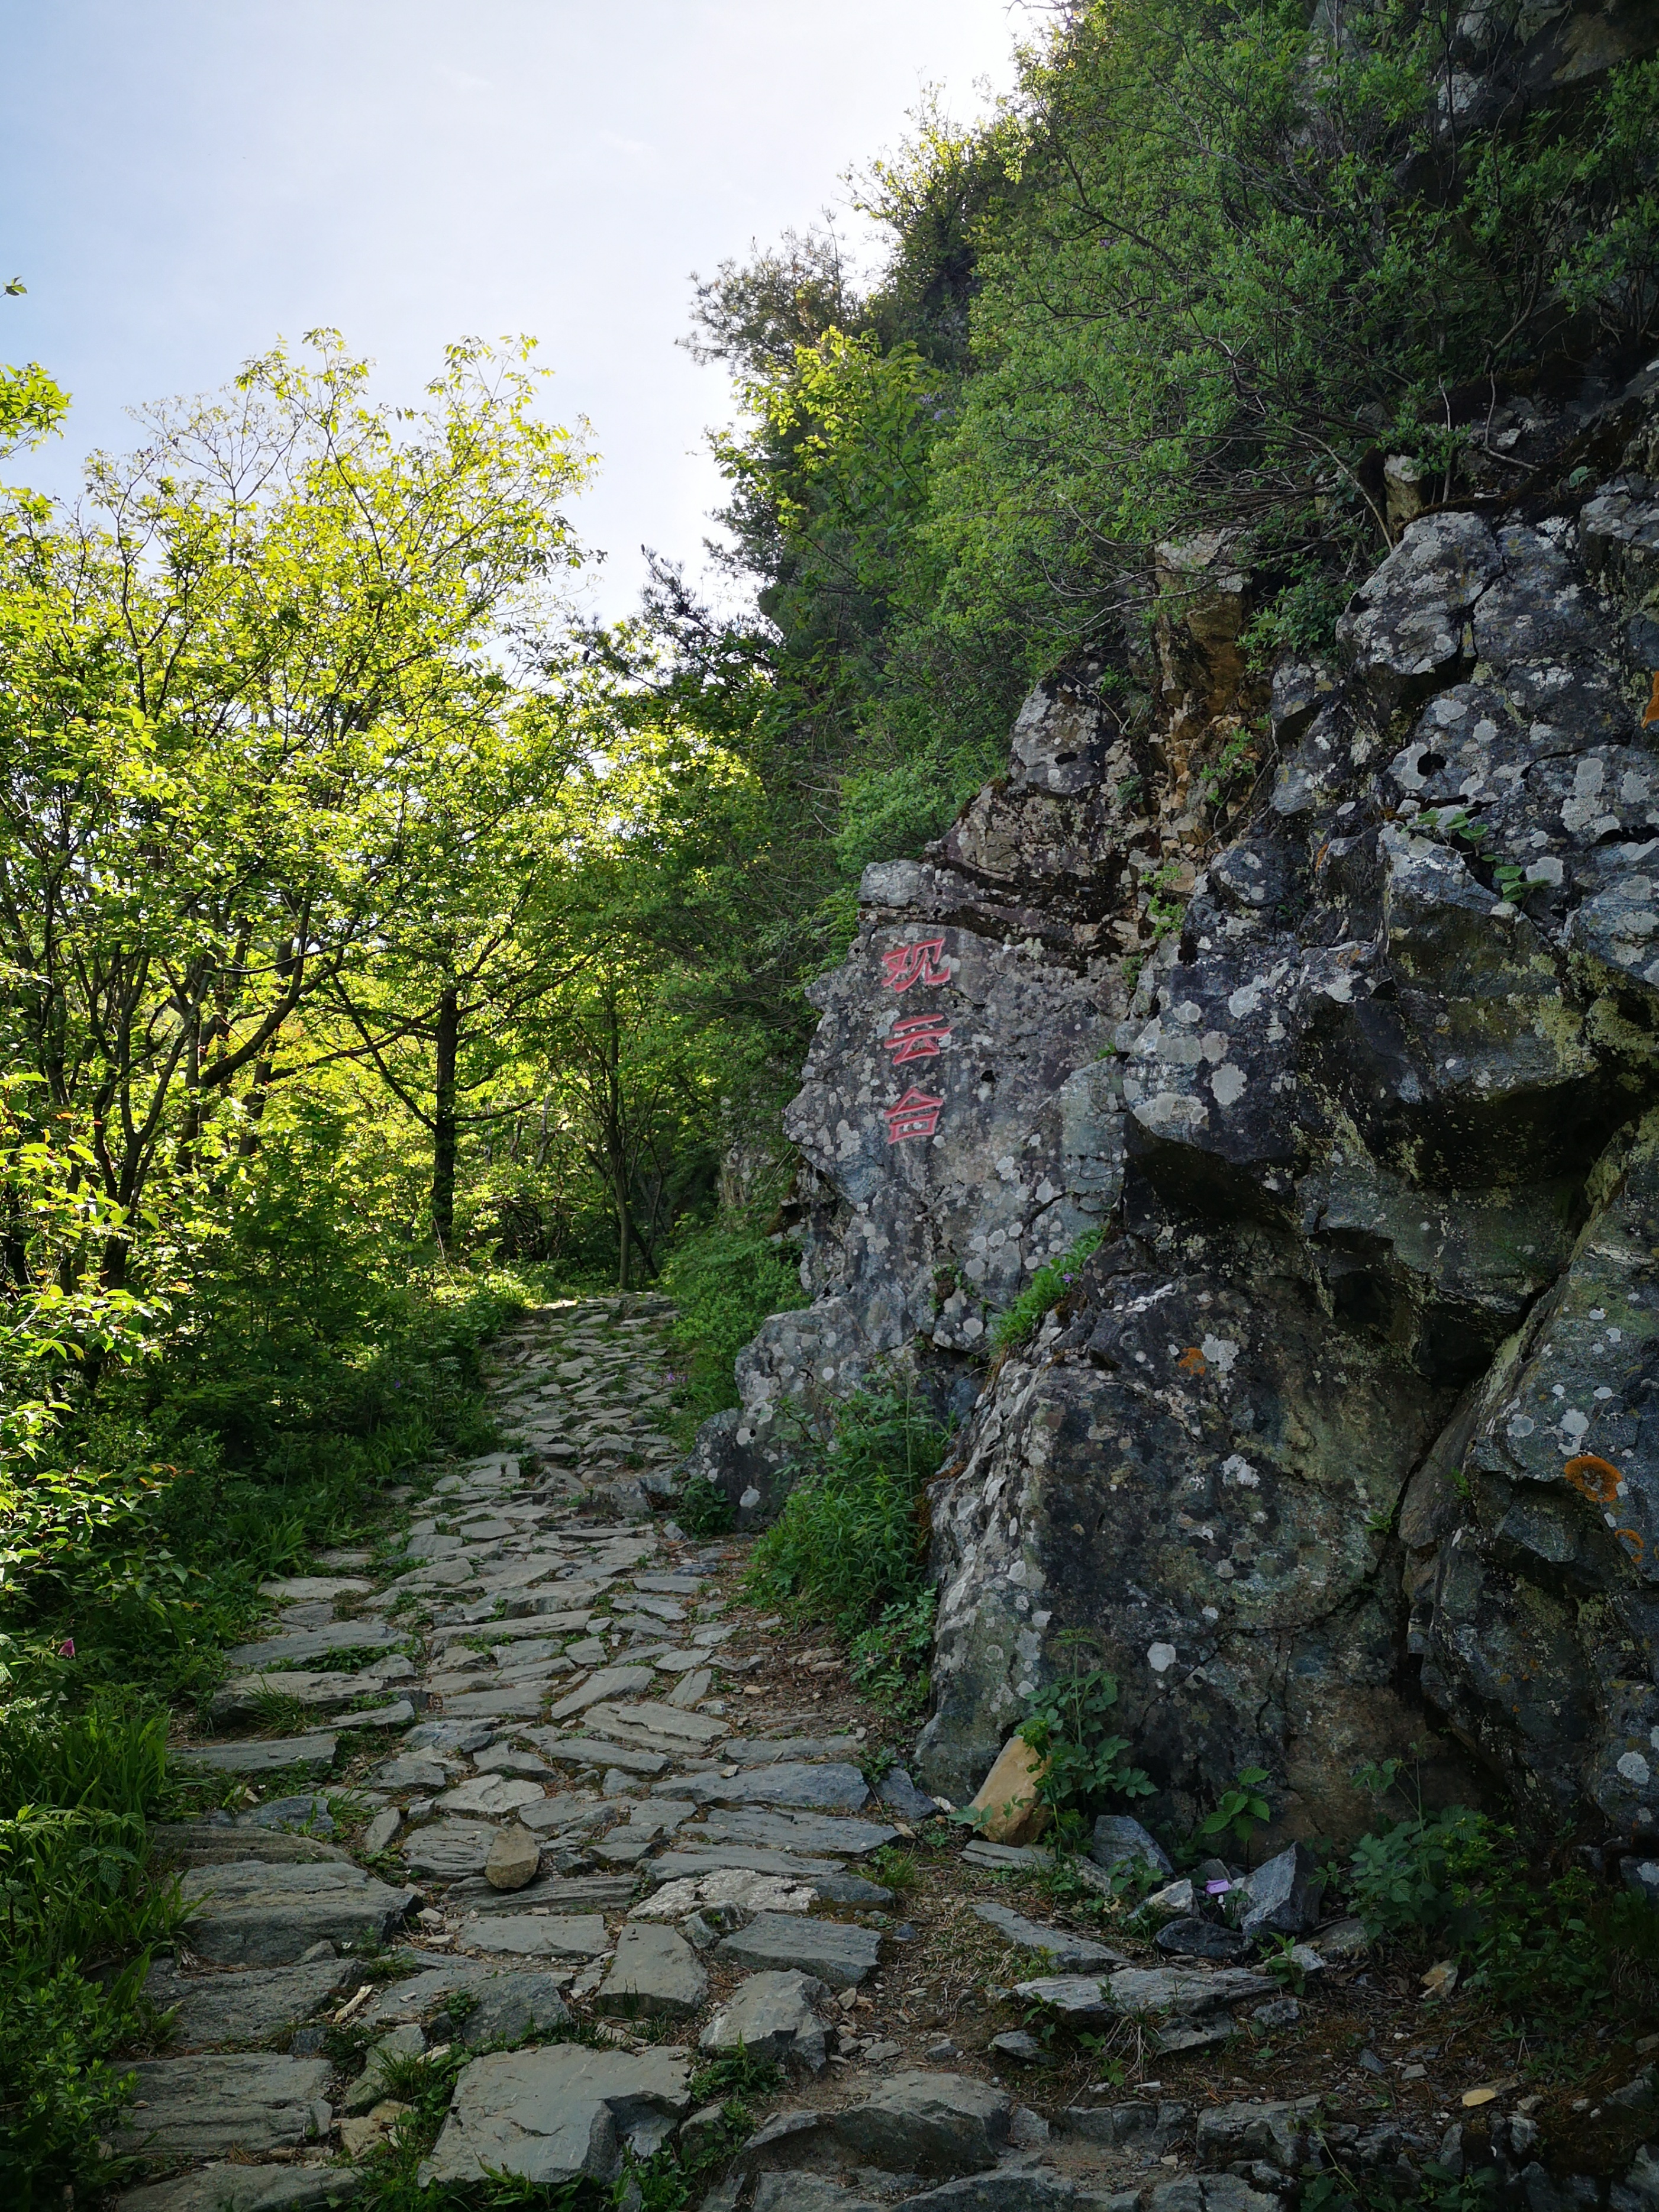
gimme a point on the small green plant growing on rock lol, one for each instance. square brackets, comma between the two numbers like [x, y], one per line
[1067, 1726]
[1242, 1810]
[1044, 1292]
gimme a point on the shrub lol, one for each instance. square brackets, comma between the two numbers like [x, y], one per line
[849, 1542]
[890, 1658]
[1066, 1724]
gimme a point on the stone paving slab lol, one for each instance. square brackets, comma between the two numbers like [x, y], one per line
[255, 1914]
[776, 1941]
[831, 1787]
[206, 1842]
[271, 1756]
[303, 1589]
[300, 1644]
[1072, 1955]
[509, 1704]
[654, 1975]
[558, 2114]
[242, 2008]
[534, 1934]
[508, 2001]
[794, 1832]
[246, 2189]
[609, 1682]
[449, 1849]
[205, 2106]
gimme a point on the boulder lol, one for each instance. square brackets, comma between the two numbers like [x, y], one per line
[772, 2015]
[559, 2114]
[251, 1913]
[1117, 1838]
[1280, 1897]
[900, 1794]
[654, 1975]
[1274, 2135]
[1007, 1802]
[1201, 1939]
[515, 1859]
[449, 1848]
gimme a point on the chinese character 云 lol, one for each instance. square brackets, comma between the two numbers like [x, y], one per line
[915, 964]
[922, 1037]
[916, 1115]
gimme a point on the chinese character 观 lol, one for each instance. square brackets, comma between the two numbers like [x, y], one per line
[915, 964]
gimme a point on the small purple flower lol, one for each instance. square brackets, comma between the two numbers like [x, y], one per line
[1217, 1888]
[66, 1649]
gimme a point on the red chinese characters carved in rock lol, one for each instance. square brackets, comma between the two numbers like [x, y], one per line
[922, 1037]
[916, 1115]
[915, 964]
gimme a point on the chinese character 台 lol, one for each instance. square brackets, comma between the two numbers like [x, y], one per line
[916, 1115]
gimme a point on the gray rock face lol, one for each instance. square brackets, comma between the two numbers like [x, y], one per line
[256, 1914]
[772, 2017]
[313, 1753]
[225, 2101]
[1273, 2135]
[794, 1832]
[654, 1974]
[242, 2008]
[830, 1950]
[449, 1848]
[900, 1794]
[558, 2114]
[1370, 1135]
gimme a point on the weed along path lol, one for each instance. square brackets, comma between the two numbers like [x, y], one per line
[538, 1852]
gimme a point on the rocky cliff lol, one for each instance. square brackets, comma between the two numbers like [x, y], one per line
[1333, 1004]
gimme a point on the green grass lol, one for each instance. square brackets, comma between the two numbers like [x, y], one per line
[850, 1542]
[724, 1279]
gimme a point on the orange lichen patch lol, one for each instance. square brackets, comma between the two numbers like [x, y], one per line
[1598, 1479]
[1191, 1361]
[1652, 713]
[1630, 1537]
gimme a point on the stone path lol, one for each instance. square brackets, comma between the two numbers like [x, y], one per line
[541, 1814]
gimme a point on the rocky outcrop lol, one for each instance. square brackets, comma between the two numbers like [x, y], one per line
[1341, 1441]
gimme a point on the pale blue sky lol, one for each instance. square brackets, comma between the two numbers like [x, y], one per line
[182, 181]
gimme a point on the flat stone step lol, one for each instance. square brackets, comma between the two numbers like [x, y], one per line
[599, 1892]
[533, 1935]
[243, 2007]
[1072, 1955]
[201, 1843]
[506, 2001]
[830, 1788]
[255, 1914]
[510, 1704]
[794, 1832]
[303, 1644]
[270, 1756]
[222, 2101]
[308, 1590]
[246, 2189]
[609, 1682]
[561, 2113]
[692, 1730]
[449, 1849]
[774, 1941]
[833, 1884]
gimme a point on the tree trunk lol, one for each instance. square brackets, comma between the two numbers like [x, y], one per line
[443, 1120]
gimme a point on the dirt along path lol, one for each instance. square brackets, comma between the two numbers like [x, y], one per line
[530, 1820]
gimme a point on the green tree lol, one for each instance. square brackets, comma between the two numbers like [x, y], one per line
[230, 677]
